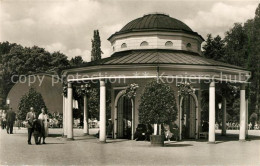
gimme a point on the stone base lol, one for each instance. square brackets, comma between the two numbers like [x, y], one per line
[242, 140]
[64, 136]
[69, 139]
[85, 134]
[212, 142]
[157, 140]
[102, 142]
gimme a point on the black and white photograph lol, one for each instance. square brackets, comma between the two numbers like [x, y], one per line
[130, 82]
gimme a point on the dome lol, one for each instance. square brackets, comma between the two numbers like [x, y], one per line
[155, 22]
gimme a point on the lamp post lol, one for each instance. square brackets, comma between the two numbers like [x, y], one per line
[219, 107]
[7, 102]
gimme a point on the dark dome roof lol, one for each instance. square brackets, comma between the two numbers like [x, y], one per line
[155, 22]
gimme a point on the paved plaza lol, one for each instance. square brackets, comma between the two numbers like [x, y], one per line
[86, 150]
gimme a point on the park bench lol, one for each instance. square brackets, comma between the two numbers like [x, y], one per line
[203, 135]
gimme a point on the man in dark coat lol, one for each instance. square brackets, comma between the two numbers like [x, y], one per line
[10, 119]
[30, 117]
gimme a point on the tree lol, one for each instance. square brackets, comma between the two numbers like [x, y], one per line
[214, 48]
[158, 104]
[76, 61]
[96, 47]
[31, 99]
[243, 49]
[18, 60]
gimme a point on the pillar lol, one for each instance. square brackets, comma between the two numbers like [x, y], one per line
[242, 130]
[102, 126]
[64, 117]
[133, 119]
[212, 112]
[224, 116]
[85, 129]
[246, 118]
[180, 117]
[69, 113]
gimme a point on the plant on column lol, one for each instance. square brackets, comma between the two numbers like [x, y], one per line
[158, 106]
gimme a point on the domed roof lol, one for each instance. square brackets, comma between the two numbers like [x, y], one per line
[155, 22]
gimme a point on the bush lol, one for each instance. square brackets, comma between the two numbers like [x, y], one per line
[31, 99]
[158, 104]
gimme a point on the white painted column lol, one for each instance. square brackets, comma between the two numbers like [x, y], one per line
[242, 131]
[133, 119]
[102, 126]
[155, 129]
[64, 117]
[86, 128]
[246, 118]
[70, 113]
[180, 118]
[224, 116]
[212, 112]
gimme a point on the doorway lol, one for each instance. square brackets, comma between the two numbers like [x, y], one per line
[189, 117]
[124, 118]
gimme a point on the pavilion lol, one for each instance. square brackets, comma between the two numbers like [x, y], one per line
[149, 47]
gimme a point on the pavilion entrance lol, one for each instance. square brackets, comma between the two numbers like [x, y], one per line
[189, 117]
[124, 118]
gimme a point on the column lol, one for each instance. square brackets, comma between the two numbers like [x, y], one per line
[133, 118]
[246, 118]
[242, 131]
[85, 129]
[180, 117]
[212, 112]
[64, 117]
[69, 113]
[224, 116]
[102, 117]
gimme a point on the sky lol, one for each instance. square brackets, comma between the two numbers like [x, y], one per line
[67, 25]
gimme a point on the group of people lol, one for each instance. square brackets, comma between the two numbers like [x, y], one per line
[7, 120]
[37, 126]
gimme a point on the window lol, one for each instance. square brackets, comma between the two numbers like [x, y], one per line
[168, 44]
[144, 43]
[123, 45]
[188, 45]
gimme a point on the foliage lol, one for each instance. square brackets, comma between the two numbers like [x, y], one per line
[158, 104]
[96, 47]
[214, 48]
[76, 61]
[130, 91]
[31, 99]
[18, 60]
[185, 89]
[241, 47]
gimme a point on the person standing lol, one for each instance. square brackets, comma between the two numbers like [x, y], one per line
[44, 121]
[10, 119]
[3, 119]
[30, 117]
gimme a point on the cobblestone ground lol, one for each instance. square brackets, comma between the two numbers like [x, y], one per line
[86, 150]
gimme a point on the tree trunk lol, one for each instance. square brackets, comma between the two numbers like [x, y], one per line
[155, 129]
[160, 129]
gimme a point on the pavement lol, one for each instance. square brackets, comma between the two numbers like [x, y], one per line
[86, 150]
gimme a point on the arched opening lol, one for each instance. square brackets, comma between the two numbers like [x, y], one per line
[189, 126]
[123, 116]
[144, 43]
[123, 45]
[168, 44]
[188, 46]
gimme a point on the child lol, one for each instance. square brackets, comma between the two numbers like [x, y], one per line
[37, 128]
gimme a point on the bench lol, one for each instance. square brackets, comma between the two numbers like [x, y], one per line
[203, 135]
